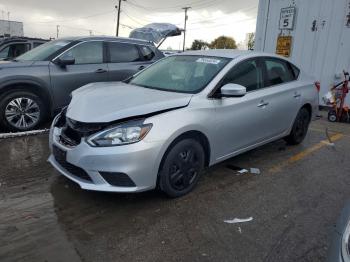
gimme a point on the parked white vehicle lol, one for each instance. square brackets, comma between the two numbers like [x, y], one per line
[178, 116]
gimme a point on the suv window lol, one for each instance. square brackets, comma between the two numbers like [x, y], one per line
[86, 53]
[247, 74]
[147, 53]
[14, 50]
[4, 53]
[36, 44]
[278, 72]
[122, 52]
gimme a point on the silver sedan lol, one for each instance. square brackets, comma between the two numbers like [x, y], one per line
[163, 126]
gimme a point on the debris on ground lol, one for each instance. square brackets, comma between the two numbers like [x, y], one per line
[243, 171]
[238, 220]
[26, 133]
[255, 171]
[233, 167]
[330, 142]
[240, 230]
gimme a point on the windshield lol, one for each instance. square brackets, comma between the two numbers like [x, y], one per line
[43, 51]
[185, 74]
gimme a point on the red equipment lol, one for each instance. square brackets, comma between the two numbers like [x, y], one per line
[339, 111]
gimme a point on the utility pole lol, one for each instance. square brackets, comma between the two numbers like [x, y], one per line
[57, 30]
[186, 17]
[118, 7]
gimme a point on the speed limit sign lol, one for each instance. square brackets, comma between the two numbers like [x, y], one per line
[287, 18]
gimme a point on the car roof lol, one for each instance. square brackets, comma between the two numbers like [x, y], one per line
[228, 53]
[106, 38]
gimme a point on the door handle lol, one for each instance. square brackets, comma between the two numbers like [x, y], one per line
[296, 95]
[263, 103]
[141, 68]
[100, 70]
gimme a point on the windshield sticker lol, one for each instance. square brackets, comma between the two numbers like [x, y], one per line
[208, 61]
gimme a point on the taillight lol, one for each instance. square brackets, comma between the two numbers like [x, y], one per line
[318, 86]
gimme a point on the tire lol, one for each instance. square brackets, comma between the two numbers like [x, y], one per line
[21, 111]
[332, 116]
[300, 127]
[181, 168]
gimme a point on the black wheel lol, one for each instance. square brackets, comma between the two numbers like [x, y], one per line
[21, 111]
[181, 168]
[332, 116]
[300, 127]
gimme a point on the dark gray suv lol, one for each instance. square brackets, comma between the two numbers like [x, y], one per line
[37, 84]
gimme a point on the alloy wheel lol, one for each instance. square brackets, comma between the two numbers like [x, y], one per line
[22, 113]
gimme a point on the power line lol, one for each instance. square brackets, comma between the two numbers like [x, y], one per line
[195, 4]
[133, 19]
[73, 19]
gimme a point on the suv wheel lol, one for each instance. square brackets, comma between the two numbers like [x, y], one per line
[21, 111]
[181, 168]
[300, 127]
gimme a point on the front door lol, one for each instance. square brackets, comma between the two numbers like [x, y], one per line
[89, 67]
[240, 120]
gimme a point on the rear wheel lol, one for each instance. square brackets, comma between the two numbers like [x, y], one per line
[21, 111]
[300, 127]
[181, 168]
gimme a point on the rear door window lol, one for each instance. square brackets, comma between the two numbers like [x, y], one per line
[247, 74]
[123, 52]
[277, 72]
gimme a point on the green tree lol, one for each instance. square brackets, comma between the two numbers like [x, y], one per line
[223, 42]
[199, 45]
[251, 41]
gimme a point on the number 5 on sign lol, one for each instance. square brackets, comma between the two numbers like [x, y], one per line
[287, 18]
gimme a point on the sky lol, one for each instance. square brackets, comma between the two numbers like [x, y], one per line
[207, 19]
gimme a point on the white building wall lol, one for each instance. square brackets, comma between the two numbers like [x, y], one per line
[322, 53]
[11, 28]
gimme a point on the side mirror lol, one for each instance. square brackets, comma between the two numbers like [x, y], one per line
[64, 61]
[233, 90]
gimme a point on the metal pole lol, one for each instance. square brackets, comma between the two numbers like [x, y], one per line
[118, 18]
[57, 30]
[186, 17]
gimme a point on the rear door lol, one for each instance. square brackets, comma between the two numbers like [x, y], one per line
[282, 92]
[89, 67]
[126, 59]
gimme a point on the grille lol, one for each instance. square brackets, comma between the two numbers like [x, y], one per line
[70, 137]
[118, 179]
[60, 157]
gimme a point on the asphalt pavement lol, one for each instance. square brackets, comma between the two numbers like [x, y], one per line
[294, 204]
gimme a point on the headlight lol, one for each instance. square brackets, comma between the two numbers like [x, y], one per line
[123, 134]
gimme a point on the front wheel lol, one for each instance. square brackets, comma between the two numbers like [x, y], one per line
[21, 111]
[181, 168]
[300, 127]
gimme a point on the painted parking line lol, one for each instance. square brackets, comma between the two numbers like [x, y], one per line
[303, 154]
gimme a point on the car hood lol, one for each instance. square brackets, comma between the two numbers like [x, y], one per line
[11, 64]
[107, 102]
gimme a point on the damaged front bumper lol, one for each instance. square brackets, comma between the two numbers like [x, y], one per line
[127, 168]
